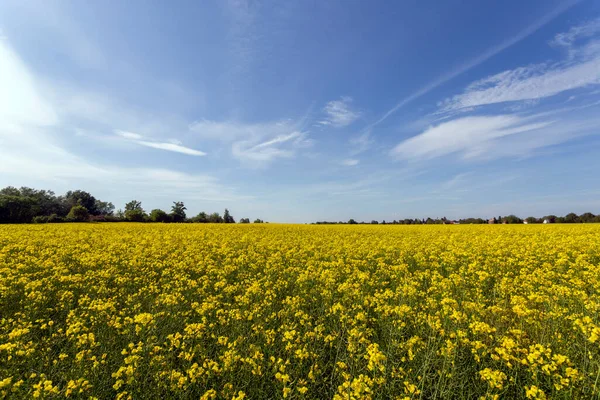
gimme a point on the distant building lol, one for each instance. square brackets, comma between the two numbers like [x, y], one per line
[546, 221]
[525, 222]
[492, 221]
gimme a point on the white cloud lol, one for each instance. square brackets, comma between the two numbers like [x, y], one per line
[350, 162]
[259, 143]
[581, 69]
[281, 146]
[471, 136]
[361, 143]
[20, 99]
[129, 135]
[527, 83]
[339, 114]
[32, 154]
[169, 146]
[489, 53]
[585, 30]
[172, 147]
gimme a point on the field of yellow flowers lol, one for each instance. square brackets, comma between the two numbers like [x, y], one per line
[195, 311]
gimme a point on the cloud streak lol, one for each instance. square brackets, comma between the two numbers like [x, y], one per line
[174, 147]
[477, 60]
[526, 83]
[535, 82]
[258, 144]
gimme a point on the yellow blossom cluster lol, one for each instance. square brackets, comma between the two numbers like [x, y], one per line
[202, 311]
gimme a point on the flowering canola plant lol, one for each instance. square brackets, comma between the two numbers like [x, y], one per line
[196, 311]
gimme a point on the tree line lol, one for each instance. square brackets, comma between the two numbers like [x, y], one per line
[570, 218]
[26, 205]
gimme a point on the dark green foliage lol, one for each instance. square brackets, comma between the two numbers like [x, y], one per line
[40, 219]
[587, 217]
[227, 218]
[78, 213]
[512, 219]
[178, 211]
[134, 211]
[157, 215]
[16, 209]
[94, 206]
[200, 218]
[571, 218]
[215, 218]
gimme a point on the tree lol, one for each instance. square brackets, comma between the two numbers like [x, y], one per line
[215, 218]
[178, 211]
[258, 221]
[571, 218]
[227, 218]
[45, 202]
[134, 211]
[550, 218]
[158, 215]
[513, 219]
[16, 209]
[531, 220]
[104, 208]
[587, 217]
[83, 198]
[201, 218]
[78, 213]
[244, 220]
[351, 221]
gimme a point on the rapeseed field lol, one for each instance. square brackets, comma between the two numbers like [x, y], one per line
[195, 311]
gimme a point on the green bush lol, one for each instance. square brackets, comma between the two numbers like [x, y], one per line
[78, 213]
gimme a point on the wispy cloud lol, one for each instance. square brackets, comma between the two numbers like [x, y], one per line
[282, 146]
[471, 136]
[350, 162]
[455, 181]
[361, 143]
[477, 60]
[32, 155]
[259, 143]
[527, 83]
[496, 136]
[168, 146]
[585, 30]
[339, 113]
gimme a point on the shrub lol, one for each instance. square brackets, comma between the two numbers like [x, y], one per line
[40, 219]
[157, 215]
[53, 218]
[78, 213]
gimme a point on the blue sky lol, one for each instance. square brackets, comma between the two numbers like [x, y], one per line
[299, 111]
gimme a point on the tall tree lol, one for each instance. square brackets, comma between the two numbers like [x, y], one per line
[81, 197]
[134, 211]
[215, 218]
[178, 211]
[227, 218]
